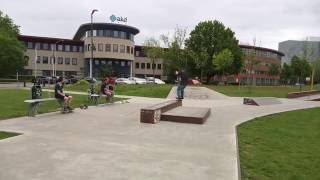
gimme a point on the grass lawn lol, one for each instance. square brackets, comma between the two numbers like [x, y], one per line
[146, 90]
[257, 91]
[4, 135]
[12, 104]
[281, 146]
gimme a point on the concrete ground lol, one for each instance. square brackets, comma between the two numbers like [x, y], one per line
[109, 142]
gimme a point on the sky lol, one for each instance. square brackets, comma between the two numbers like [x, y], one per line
[268, 22]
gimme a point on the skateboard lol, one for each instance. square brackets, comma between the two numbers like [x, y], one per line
[83, 106]
[67, 111]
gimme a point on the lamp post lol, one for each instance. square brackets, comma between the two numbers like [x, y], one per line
[92, 46]
[54, 57]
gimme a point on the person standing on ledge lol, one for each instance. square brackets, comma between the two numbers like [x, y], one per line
[182, 81]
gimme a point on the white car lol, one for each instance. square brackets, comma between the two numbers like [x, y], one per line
[124, 81]
[138, 80]
[156, 81]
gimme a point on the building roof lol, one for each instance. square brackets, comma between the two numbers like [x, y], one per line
[101, 26]
[262, 49]
[48, 40]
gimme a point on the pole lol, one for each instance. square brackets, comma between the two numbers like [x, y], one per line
[312, 78]
[35, 61]
[91, 35]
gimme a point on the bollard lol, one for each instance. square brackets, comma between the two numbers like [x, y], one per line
[24, 83]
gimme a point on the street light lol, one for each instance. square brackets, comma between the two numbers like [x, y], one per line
[54, 57]
[91, 59]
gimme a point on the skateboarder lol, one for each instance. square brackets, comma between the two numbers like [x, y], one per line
[182, 81]
[58, 93]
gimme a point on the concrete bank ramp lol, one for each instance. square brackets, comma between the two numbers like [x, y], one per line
[194, 115]
[261, 101]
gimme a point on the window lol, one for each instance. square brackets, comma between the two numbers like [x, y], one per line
[52, 47]
[37, 46]
[108, 33]
[45, 46]
[100, 47]
[115, 47]
[110, 62]
[129, 63]
[137, 53]
[122, 48]
[103, 62]
[67, 48]
[60, 47]
[143, 65]
[148, 65]
[137, 65]
[123, 63]
[60, 60]
[122, 35]
[128, 49]
[26, 60]
[94, 33]
[67, 61]
[30, 45]
[52, 61]
[74, 61]
[100, 33]
[80, 49]
[45, 60]
[153, 66]
[38, 59]
[96, 62]
[159, 66]
[131, 50]
[74, 49]
[108, 47]
[115, 34]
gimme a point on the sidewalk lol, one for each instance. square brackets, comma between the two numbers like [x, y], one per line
[109, 142]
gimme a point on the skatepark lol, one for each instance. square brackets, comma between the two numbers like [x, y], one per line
[109, 142]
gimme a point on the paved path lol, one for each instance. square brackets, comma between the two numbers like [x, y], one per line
[109, 142]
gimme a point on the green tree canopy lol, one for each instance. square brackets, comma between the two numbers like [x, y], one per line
[274, 70]
[223, 62]
[300, 67]
[286, 73]
[210, 38]
[11, 50]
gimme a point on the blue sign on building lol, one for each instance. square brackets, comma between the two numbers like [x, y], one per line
[114, 18]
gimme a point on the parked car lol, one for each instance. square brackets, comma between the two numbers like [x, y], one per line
[90, 80]
[150, 80]
[124, 81]
[138, 80]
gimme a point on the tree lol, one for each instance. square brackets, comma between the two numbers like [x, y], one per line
[286, 73]
[274, 70]
[11, 50]
[175, 55]
[223, 62]
[212, 37]
[301, 68]
[153, 51]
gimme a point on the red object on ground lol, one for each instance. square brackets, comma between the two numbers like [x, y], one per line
[194, 82]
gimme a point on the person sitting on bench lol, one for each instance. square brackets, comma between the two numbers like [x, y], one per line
[58, 93]
[107, 89]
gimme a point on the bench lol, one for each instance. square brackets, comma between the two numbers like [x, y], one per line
[94, 98]
[152, 114]
[34, 104]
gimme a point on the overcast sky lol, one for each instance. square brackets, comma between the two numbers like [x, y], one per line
[269, 21]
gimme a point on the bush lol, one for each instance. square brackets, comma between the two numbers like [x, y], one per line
[81, 82]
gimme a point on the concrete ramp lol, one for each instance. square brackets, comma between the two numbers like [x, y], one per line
[186, 115]
[261, 101]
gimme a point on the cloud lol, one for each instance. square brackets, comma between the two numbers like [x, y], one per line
[269, 21]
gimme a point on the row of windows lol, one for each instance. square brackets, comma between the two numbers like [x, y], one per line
[108, 48]
[57, 47]
[60, 60]
[103, 62]
[143, 66]
[250, 52]
[110, 33]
